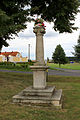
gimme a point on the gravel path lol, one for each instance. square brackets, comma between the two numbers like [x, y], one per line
[59, 71]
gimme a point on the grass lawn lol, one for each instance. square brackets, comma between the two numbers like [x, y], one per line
[73, 66]
[12, 83]
[15, 68]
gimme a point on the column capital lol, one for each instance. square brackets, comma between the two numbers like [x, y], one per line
[39, 30]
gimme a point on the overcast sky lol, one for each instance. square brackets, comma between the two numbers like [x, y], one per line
[51, 40]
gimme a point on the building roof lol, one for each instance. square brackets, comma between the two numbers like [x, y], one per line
[9, 53]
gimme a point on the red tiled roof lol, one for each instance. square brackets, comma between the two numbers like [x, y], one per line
[33, 60]
[9, 53]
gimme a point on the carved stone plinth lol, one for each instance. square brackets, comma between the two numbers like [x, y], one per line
[39, 76]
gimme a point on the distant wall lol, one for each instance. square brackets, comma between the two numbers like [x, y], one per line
[24, 59]
[16, 59]
[1, 59]
[13, 59]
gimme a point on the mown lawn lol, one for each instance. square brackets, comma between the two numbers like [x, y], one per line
[19, 66]
[12, 83]
[73, 66]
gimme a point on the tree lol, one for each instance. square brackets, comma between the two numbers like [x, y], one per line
[61, 12]
[12, 19]
[15, 13]
[77, 49]
[47, 59]
[59, 56]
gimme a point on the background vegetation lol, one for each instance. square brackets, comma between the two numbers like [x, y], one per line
[25, 66]
[59, 55]
[77, 49]
[73, 66]
[15, 13]
[20, 66]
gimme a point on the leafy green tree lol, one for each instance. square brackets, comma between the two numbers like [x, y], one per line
[77, 49]
[15, 13]
[12, 19]
[59, 56]
[60, 12]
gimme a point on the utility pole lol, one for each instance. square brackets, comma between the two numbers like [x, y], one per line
[28, 52]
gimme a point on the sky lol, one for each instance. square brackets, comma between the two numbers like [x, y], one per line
[51, 40]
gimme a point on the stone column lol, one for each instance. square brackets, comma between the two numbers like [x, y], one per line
[39, 92]
[39, 69]
[39, 31]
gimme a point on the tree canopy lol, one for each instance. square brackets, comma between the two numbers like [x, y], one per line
[61, 12]
[15, 13]
[59, 56]
[77, 49]
[12, 19]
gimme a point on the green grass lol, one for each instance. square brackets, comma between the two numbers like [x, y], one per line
[12, 83]
[17, 67]
[74, 66]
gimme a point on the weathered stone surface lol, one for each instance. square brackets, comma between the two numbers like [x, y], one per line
[39, 93]
[39, 45]
[30, 91]
[39, 76]
[55, 98]
[39, 70]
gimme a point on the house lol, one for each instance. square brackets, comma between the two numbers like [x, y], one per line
[12, 57]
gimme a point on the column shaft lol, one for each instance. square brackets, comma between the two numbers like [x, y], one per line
[39, 49]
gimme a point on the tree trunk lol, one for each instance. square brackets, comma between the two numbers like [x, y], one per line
[59, 65]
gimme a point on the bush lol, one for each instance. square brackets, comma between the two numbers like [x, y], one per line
[15, 66]
[6, 63]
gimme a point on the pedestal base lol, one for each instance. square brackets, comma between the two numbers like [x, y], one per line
[48, 95]
[39, 76]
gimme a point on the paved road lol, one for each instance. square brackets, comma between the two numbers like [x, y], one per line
[15, 71]
[59, 71]
[64, 72]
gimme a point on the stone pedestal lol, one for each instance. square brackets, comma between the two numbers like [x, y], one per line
[39, 76]
[39, 92]
[39, 69]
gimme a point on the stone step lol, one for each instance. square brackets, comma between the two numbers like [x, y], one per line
[57, 94]
[55, 99]
[30, 91]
